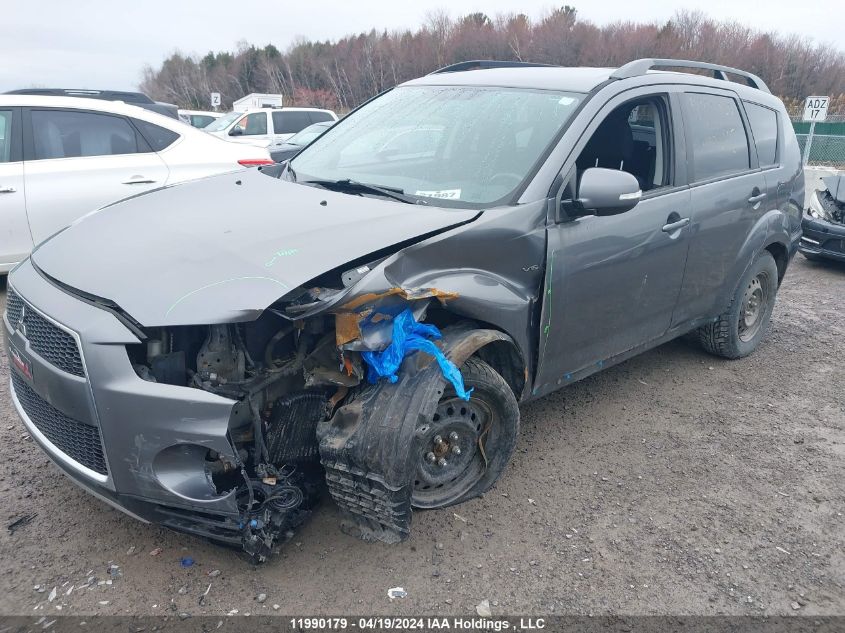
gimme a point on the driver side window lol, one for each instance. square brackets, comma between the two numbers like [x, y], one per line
[252, 124]
[634, 138]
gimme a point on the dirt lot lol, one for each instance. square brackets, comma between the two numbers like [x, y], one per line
[674, 483]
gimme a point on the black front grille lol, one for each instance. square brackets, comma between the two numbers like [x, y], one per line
[79, 441]
[837, 246]
[13, 307]
[46, 339]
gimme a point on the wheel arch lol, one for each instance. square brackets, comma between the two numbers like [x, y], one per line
[780, 253]
[487, 341]
[770, 235]
[494, 347]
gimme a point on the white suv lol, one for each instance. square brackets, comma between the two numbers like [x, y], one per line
[62, 157]
[263, 126]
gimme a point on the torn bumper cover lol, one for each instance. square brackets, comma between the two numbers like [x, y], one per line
[155, 474]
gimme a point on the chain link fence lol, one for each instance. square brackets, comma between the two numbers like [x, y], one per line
[827, 145]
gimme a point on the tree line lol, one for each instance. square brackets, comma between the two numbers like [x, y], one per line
[341, 75]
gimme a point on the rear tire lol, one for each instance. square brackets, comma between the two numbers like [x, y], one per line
[738, 331]
[474, 440]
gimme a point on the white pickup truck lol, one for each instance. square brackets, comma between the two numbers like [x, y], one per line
[264, 126]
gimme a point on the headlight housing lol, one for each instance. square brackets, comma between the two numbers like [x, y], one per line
[816, 210]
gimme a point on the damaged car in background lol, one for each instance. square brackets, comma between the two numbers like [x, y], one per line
[213, 355]
[823, 225]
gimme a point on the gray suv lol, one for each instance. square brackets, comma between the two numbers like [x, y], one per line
[367, 317]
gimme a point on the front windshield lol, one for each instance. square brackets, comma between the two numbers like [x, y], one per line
[223, 122]
[308, 134]
[463, 145]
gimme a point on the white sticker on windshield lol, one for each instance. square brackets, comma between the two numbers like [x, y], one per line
[445, 194]
[566, 101]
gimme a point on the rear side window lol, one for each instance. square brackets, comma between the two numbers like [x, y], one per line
[717, 136]
[764, 127]
[290, 122]
[69, 134]
[156, 136]
[5, 135]
[319, 117]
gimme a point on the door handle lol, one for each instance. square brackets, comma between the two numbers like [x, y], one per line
[7, 190]
[758, 198]
[138, 180]
[674, 226]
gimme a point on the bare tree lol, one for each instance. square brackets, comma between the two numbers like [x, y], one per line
[344, 73]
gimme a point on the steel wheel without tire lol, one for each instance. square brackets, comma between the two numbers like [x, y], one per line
[463, 449]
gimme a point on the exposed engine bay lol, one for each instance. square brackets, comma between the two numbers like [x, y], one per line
[834, 207]
[287, 375]
[828, 204]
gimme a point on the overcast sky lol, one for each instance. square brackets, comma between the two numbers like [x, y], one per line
[106, 44]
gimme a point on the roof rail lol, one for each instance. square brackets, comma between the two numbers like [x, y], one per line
[479, 64]
[106, 95]
[641, 66]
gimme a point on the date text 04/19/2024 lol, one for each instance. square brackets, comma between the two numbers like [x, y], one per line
[382, 623]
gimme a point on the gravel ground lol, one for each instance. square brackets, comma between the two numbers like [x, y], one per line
[675, 483]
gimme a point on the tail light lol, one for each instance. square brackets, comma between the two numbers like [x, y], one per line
[255, 162]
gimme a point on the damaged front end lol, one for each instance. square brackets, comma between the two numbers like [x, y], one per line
[270, 368]
[829, 203]
[230, 385]
[290, 372]
[823, 226]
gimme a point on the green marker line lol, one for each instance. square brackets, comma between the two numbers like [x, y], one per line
[220, 283]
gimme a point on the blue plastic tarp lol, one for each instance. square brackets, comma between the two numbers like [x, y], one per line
[409, 336]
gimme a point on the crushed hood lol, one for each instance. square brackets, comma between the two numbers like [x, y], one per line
[836, 186]
[223, 249]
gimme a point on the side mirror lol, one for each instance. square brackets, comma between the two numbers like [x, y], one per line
[607, 192]
[236, 131]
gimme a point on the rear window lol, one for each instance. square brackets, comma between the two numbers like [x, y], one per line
[156, 136]
[319, 117]
[717, 136]
[290, 121]
[764, 127]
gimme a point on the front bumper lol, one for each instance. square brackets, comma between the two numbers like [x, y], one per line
[137, 445]
[822, 239]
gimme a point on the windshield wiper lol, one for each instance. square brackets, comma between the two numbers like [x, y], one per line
[347, 184]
